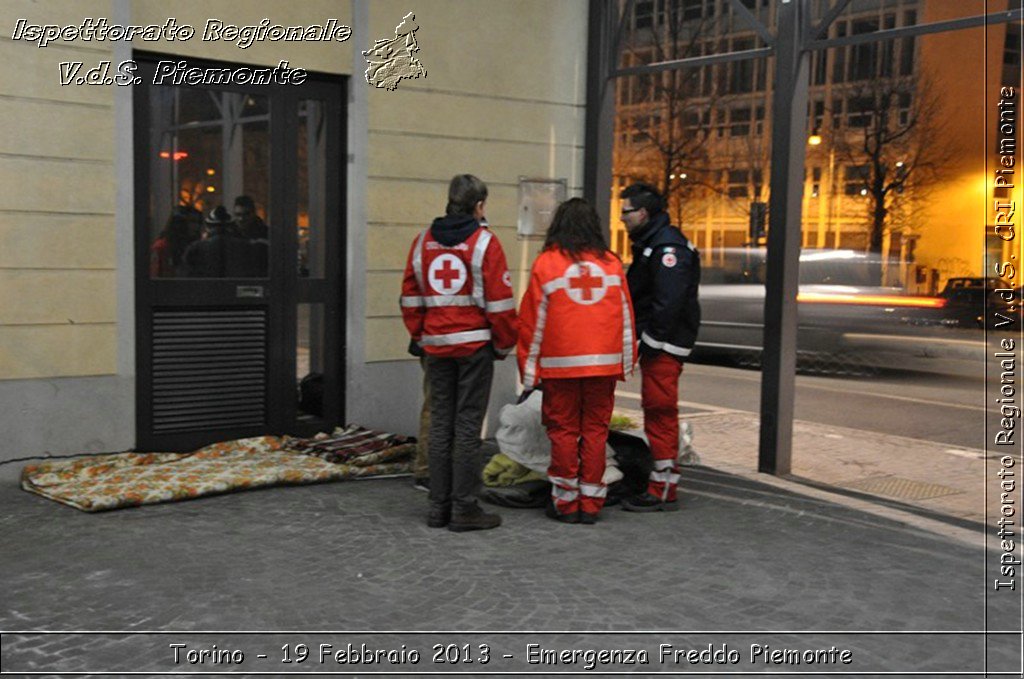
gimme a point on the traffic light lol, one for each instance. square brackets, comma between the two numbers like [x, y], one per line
[758, 221]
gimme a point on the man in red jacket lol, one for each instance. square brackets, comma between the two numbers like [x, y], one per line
[458, 306]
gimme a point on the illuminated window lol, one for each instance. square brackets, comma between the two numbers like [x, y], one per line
[643, 14]
[738, 181]
[855, 180]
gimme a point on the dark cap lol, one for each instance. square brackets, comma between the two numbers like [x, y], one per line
[218, 216]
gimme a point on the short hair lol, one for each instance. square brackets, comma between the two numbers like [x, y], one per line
[576, 229]
[644, 195]
[246, 202]
[464, 192]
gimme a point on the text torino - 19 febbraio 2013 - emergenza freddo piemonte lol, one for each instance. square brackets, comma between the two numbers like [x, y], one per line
[590, 658]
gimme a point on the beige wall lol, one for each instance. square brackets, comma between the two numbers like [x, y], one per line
[57, 183]
[58, 315]
[503, 97]
[491, 104]
[955, 215]
[952, 233]
[326, 56]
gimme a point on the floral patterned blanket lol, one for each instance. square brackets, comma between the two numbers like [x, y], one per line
[114, 481]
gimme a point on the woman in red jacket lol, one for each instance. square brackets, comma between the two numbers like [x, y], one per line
[576, 337]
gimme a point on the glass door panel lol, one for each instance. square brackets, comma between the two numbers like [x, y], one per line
[240, 283]
[312, 205]
[208, 149]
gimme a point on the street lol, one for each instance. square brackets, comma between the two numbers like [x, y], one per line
[946, 409]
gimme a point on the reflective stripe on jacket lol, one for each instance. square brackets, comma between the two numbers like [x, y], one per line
[457, 298]
[576, 319]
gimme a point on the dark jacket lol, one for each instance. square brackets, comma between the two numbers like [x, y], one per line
[224, 254]
[663, 280]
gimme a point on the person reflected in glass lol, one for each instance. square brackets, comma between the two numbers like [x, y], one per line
[250, 225]
[255, 230]
[167, 253]
[222, 253]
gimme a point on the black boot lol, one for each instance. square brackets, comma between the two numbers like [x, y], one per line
[649, 503]
[473, 518]
[439, 516]
[552, 513]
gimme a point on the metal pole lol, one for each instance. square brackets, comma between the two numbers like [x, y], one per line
[600, 115]
[778, 379]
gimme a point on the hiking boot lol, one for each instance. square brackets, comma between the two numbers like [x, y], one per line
[588, 519]
[649, 503]
[421, 483]
[473, 519]
[439, 517]
[569, 517]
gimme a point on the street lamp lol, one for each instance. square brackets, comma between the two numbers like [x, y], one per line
[816, 139]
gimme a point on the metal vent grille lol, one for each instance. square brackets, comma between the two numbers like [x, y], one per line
[209, 369]
[904, 489]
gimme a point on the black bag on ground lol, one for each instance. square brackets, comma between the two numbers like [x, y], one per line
[635, 462]
[311, 394]
[524, 495]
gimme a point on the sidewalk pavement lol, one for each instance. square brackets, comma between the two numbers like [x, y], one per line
[751, 562]
[943, 486]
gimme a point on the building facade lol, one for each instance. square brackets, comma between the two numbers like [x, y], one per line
[116, 332]
[703, 134]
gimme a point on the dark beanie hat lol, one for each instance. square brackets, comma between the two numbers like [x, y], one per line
[218, 216]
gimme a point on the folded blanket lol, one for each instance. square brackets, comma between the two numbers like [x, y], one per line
[504, 471]
[355, 445]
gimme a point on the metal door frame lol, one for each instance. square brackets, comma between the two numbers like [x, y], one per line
[284, 287]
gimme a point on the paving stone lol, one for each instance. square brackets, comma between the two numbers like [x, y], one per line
[742, 555]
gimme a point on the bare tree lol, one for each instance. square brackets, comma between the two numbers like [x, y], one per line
[667, 134]
[892, 149]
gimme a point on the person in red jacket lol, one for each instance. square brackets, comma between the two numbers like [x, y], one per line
[576, 338]
[458, 306]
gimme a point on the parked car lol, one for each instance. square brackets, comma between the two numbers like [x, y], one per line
[974, 302]
[844, 317]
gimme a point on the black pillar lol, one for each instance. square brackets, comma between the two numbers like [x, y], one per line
[600, 116]
[789, 115]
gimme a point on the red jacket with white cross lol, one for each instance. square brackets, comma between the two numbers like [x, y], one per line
[458, 298]
[576, 319]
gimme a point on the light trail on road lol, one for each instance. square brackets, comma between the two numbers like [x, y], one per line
[896, 404]
[686, 404]
[804, 384]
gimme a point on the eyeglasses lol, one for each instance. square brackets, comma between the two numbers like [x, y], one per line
[627, 210]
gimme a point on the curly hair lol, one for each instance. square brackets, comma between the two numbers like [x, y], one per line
[576, 229]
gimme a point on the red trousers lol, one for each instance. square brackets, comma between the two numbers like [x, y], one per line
[659, 395]
[576, 413]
